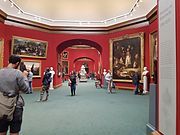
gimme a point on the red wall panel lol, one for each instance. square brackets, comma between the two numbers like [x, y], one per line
[54, 40]
[178, 66]
[147, 30]
[75, 54]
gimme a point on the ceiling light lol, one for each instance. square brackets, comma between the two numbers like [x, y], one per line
[12, 4]
[19, 12]
[137, 5]
[4, 0]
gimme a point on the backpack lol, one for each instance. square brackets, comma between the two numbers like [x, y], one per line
[7, 105]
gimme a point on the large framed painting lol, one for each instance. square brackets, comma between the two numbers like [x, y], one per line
[127, 56]
[26, 47]
[65, 67]
[1, 52]
[34, 66]
[154, 54]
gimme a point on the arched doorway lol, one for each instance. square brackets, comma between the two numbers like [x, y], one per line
[62, 49]
[89, 64]
[69, 43]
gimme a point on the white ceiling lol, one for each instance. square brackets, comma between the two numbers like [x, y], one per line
[78, 12]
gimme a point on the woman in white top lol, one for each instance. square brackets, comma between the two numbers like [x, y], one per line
[108, 78]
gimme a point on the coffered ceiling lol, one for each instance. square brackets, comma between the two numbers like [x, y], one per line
[77, 12]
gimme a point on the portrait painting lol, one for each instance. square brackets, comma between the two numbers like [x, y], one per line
[26, 47]
[65, 55]
[154, 54]
[34, 66]
[59, 68]
[1, 52]
[127, 56]
[65, 67]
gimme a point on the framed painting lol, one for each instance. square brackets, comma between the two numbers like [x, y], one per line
[1, 52]
[65, 67]
[65, 55]
[26, 47]
[127, 56]
[153, 54]
[34, 66]
[59, 64]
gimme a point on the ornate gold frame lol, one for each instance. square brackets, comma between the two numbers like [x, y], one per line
[29, 64]
[152, 49]
[128, 36]
[26, 42]
[59, 68]
[1, 52]
[67, 66]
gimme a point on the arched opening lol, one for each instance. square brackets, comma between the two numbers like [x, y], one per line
[76, 52]
[62, 46]
[88, 62]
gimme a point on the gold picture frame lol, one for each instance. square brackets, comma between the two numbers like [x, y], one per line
[153, 39]
[26, 47]
[59, 68]
[65, 67]
[34, 66]
[1, 52]
[127, 56]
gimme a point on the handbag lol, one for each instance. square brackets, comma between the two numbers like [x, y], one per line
[7, 106]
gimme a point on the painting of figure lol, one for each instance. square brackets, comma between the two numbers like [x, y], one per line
[34, 66]
[154, 55]
[65, 67]
[127, 56]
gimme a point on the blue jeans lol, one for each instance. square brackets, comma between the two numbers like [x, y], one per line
[136, 89]
[30, 87]
[73, 89]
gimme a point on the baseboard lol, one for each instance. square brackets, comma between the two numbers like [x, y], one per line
[124, 87]
[39, 88]
[59, 85]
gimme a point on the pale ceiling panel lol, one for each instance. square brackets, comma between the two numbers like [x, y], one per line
[78, 10]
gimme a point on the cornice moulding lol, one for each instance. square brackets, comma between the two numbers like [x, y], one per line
[2, 16]
[20, 22]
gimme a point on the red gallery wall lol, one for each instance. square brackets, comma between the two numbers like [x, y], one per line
[76, 57]
[147, 31]
[54, 40]
[178, 66]
[91, 65]
[75, 54]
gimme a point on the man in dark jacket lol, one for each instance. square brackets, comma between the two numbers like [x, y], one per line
[12, 81]
[135, 80]
[73, 83]
[45, 85]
